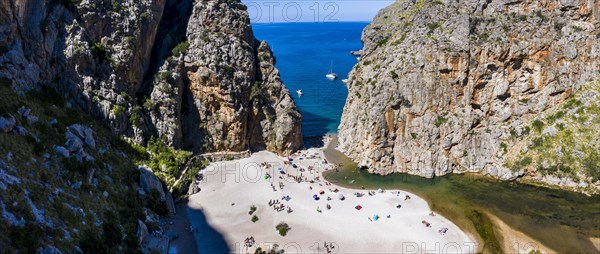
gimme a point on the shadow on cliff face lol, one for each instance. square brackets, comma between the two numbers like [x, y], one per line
[194, 135]
[208, 239]
[171, 32]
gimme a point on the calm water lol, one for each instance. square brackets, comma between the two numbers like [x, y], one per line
[305, 52]
[561, 220]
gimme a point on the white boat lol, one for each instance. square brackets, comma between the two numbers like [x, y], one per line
[300, 92]
[331, 75]
[345, 81]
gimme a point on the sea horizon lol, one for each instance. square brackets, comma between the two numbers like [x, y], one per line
[304, 66]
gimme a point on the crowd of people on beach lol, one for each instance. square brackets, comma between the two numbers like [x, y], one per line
[279, 207]
[249, 242]
[295, 171]
[329, 247]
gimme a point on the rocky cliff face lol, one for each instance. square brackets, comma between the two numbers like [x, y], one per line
[187, 72]
[233, 97]
[448, 86]
[190, 72]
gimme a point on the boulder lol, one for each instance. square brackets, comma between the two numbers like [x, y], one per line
[149, 182]
[7, 124]
[31, 119]
[87, 158]
[24, 112]
[76, 185]
[62, 151]
[78, 130]
[20, 130]
[84, 134]
[74, 143]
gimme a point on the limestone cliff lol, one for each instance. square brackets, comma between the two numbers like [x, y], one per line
[232, 96]
[446, 86]
[76, 76]
[180, 70]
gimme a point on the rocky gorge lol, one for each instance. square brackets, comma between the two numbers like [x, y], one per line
[103, 104]
[463, 86]
[190, 72]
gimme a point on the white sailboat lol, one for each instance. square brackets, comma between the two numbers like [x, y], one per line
[331, 75]
[300, 93]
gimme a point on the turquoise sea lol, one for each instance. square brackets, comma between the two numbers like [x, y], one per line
[305, 52]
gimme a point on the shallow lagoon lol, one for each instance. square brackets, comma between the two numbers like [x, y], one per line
[561, 220]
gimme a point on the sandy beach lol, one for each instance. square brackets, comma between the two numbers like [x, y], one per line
[388, 221]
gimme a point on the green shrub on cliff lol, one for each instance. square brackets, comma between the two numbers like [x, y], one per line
[257, 91]
[181, 48]
[99, 51]
[118, 110]
[163, 156]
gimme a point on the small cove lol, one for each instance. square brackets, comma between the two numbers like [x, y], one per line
[560, 220]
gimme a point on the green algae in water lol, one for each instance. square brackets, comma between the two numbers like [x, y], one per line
[485, 229]
[561, 220]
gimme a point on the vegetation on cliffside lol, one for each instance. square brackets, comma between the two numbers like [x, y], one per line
[563, 146]
[47, 200]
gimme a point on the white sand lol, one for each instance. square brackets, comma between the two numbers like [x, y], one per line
[348, 229]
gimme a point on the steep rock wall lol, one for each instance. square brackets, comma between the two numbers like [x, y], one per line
[442, 86]
[192, 87]
[232, 98]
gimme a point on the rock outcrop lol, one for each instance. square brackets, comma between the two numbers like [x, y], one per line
[444, 86]
[7, 124]
[184, 71]
[232, 98]
[149, 183]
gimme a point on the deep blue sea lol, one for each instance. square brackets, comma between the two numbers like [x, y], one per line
[304, 54]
